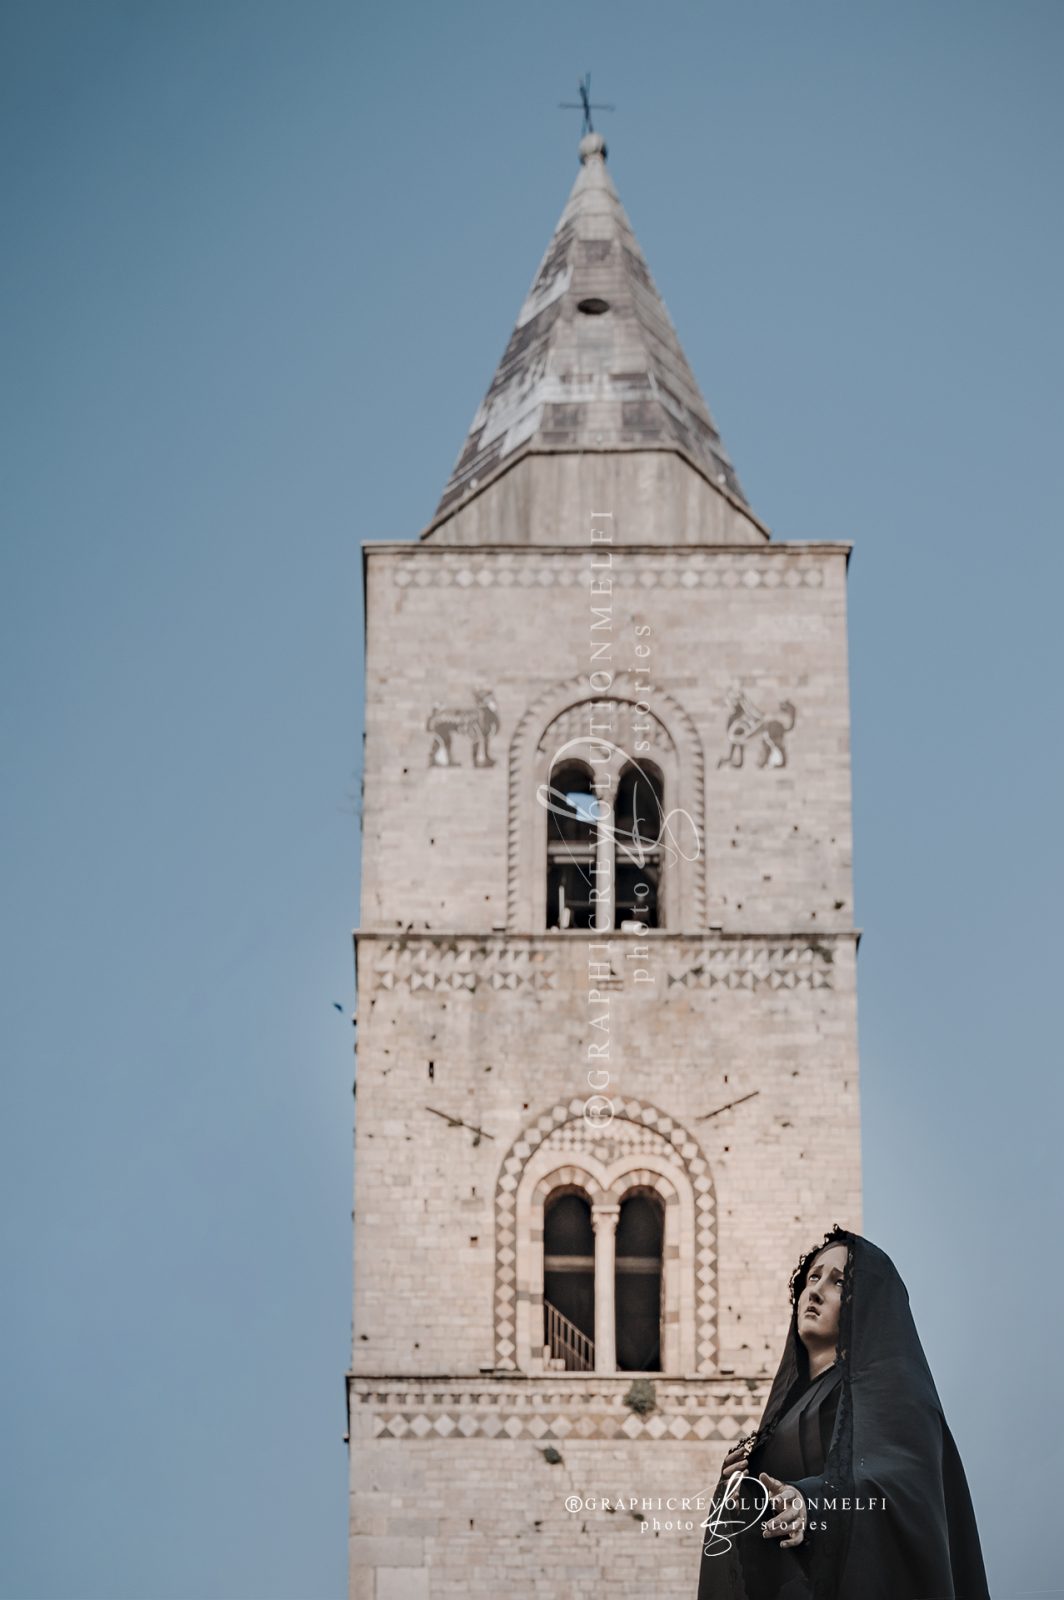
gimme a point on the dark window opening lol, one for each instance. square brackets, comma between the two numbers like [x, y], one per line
[637, 896]
[569, 1281]
[571, 845]
[639, 813]
[640, 1240]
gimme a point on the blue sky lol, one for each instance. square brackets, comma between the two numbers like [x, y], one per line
[260, 262]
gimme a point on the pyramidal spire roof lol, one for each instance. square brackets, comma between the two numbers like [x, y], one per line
[593, 363]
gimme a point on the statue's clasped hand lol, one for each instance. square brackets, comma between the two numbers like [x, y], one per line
[786, 1520]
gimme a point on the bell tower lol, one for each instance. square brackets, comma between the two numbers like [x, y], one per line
[607, 1084]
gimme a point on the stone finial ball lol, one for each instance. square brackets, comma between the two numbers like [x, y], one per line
[592, 144]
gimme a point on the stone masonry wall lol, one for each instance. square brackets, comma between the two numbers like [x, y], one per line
[717, 1020]
[474, 1037]
[443, 622]
[456, 1492]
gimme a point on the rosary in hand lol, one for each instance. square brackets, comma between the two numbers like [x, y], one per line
[788, 1520]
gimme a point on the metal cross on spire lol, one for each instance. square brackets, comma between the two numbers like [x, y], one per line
[585, 105]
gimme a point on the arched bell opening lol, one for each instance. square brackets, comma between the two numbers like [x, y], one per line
[638, 815]
[571, 844]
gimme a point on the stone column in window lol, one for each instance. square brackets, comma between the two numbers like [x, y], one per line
[604, 1220]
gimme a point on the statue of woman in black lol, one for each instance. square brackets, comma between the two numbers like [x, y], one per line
[866, 1494]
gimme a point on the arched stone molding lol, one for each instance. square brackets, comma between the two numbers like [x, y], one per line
[676, 750]
[559, 1150]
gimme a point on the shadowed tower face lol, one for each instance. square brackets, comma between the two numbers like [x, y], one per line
[607, 1083]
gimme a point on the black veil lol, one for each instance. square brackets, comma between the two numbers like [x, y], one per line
[891, 1444]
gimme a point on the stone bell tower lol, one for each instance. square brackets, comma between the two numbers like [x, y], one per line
[607, 1084]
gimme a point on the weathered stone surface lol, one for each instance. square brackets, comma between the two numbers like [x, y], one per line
[593, 396]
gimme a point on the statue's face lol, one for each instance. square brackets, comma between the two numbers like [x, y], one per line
[820, 1300]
